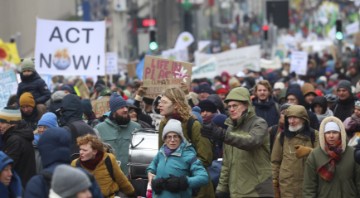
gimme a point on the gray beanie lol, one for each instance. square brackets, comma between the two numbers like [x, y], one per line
[345, 84]
[173, 126]
[67, 181]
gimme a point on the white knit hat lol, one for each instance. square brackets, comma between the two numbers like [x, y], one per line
[331, 126]
[173, 126]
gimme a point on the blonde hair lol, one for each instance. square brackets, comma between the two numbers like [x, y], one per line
[94, 141]
[177, 97]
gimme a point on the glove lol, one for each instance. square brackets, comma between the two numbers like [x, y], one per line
[218, 134]
[276, 188]
[175, 184]
[206, 130]
[220, 194]
[158, 185]
[302, 151]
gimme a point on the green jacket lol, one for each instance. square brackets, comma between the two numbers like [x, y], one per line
[246, 169]
[119, 137]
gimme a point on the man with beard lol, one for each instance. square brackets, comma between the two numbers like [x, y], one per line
[117, 128]
[290, 151]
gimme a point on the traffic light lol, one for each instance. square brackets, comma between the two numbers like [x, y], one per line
[153, 45]
[265, 29]
[339, 35]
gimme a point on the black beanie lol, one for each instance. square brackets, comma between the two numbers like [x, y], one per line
[207, 105]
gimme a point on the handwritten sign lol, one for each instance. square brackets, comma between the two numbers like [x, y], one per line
[160, 73]
[8, 87]
[101, 106]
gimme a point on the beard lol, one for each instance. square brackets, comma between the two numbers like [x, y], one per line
[121, 120]
[296, 128]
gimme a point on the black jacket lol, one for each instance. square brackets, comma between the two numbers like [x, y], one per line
[18, 146]
[36, 85]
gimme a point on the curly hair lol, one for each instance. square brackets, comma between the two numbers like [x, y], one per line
[177, 97]
[94, 141]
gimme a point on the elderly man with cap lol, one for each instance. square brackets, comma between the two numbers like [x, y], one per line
[17, 138]
[116, 130]
[330, 170]
[291, 148]
[344, 106]
[32, 82]
[10, 183]
[164, 174]
[30, 112]
[246, 150]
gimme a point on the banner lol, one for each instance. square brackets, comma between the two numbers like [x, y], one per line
[299, 62]
[111, 63]
[8, 87]
[70, 47]
[160, 73]
[101, 106]
[82, 88]
[176, 54]
[206, 70]
[233, 61]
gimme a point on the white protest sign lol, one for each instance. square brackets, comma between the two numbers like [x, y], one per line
[299, 62]
[176, 54]
[111, 63]
[8, 87]
[206, 70]
[70, 47]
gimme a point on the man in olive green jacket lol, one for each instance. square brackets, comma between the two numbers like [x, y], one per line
[246, 169]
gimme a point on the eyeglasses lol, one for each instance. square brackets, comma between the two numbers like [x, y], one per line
[172, 137]
[164, 102]
[235, 106]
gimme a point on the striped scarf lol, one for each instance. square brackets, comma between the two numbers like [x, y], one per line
[326, 171]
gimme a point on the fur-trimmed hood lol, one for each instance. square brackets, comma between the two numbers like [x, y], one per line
[322, 135]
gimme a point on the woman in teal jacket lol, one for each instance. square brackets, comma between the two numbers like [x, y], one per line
[175, 171]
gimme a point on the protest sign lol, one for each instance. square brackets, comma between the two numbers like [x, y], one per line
[111, 63]
[299, 62]
[70, 47]
[206, 70]
[8, 87]
[101, 106]
[160, 73]
[83, 89]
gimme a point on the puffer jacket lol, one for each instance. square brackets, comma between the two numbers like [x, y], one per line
[179, 163]
[286, 167]
[36, 85]
[346, 180]
[268, 110]
[246, 169]
[107, 185]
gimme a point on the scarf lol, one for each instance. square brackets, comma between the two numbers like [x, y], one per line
[168, 151]
[327, 170]
[92, 163]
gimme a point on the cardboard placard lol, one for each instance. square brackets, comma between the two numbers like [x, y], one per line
[83, 89]
[160, 73]
[131, 68]
[101, 106]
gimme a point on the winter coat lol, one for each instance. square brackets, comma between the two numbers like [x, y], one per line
[286, 167]
[179, 163]
[246, 169]
[36, 85]
[321, 100]
[344, 108]
[346, 180]
[32, 120]
[72, 121]
[18, 146]
[119, 137]
[268, 110]
[14, 190]
[102, 176]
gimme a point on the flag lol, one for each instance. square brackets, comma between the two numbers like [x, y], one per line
[9, 52]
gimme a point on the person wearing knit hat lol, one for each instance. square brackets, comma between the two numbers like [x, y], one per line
[27, 100]
[69, 182]
[344, 106]
[10, 116]
[204, 90]
[27, 65]
[173, 126]
[30, 112]
[116, 102]
[308, 91]
[10, 183]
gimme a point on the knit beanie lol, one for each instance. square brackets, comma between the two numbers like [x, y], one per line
[27, 99]
[219, 120]
[331, 126]
[49, 120]
[205, 88]
[67, 181]
[27, 64]
[173, 126]
[116, 102]
[197, 112]
[344, 84]
[4, 160]
[10, 115]
[207, 105]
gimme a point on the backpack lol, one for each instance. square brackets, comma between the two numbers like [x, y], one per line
[108, 165]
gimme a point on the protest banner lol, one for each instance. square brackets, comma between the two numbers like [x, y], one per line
[207, 70]
[299, 62]
[160, 73]
[101, 106]
[111, 63]
[83, 89]
[8, 87]
[70, 47]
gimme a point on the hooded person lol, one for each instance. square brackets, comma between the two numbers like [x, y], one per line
[330, 170]
[290, 150]
[55, 149]
[69, 182]
[55, 101]
[71, 119]
[10, 183]
[164, 176]
[32, 82]
[344, 106]
[320, 107]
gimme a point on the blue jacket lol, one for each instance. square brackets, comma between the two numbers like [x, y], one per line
[14, 190]
[179, 163]
[36, 85]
